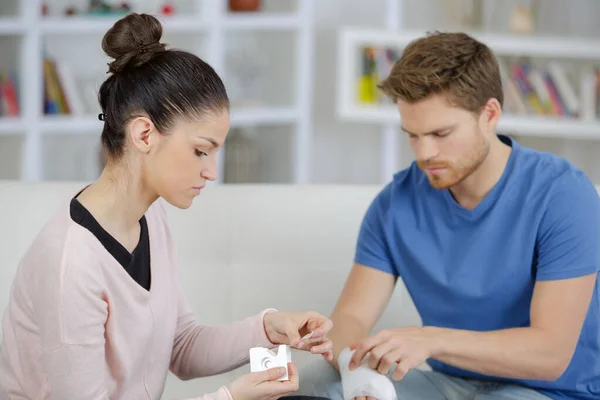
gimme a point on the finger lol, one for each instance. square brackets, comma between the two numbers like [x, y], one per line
[307, 340]
[293, 374]
[322, 348]
[388, 361]
[284, 387]
[268, 375]
[293, 336]
[277, 389]
[377, 353]
[311, 339]
[320, 326]
[363, 348]
[328, 356]
[401, 370]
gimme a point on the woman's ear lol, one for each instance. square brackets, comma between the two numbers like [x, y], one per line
[141, 133]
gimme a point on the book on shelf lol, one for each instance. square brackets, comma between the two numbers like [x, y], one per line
[61, 94]
[548, 89]
[9, 98]
[376, 65]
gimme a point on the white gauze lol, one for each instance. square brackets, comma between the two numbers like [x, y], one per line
[363, 381]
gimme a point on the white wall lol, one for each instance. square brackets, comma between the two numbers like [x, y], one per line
[343, 152]
[349, 152]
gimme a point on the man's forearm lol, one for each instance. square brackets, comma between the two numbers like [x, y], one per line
[346, 331]
[519, 353]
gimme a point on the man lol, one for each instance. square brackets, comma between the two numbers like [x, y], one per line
[497, 244]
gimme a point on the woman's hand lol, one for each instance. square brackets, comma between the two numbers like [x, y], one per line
[303, 330]
[263, 385]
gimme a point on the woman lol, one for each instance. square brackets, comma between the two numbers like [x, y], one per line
[96, 309]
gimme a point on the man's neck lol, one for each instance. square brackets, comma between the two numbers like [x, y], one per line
[470, 192]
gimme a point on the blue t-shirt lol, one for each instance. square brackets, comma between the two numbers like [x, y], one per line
[476, 269]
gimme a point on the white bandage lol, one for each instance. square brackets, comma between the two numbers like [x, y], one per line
[363, 381]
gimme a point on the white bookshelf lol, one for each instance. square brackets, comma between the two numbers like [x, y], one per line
[90, 125]
[206, 28]
[11, 26]
[537, 126]
[177, 24]
[11, 126]
[271, 22]
[348, 107]
[352, 40]
[501, 44]
[99, 25]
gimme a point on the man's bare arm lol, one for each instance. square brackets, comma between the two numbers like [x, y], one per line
[542, 351]
[364, 298]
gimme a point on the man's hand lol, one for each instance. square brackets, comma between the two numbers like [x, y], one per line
[364, 383]
[407, 347]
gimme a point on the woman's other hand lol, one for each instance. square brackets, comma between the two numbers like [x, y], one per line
[264, 385]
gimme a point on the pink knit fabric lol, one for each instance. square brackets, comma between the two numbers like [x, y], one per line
[79, 327]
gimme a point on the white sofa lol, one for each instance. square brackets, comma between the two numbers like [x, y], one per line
[241, 249]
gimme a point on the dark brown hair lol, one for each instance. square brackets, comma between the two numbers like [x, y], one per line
[147, 79]
[451, 63]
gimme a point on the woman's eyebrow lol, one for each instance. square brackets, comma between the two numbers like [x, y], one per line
[212, 141]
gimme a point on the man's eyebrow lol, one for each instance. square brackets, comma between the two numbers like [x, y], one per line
[430, 132]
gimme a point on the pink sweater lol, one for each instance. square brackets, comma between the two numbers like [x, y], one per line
[79, 327]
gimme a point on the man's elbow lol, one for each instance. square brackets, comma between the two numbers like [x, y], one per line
[555, 366]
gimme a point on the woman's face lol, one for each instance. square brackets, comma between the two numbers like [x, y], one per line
[184, 159]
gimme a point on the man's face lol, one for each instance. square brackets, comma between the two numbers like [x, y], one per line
[447, 141]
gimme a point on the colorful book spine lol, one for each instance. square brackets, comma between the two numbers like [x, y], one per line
[61, 95]
[9, 95]
[376, 65]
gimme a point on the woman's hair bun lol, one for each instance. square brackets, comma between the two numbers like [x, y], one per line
[132, 41]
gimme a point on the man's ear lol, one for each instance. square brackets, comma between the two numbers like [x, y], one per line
[141, 133]
[490, 116]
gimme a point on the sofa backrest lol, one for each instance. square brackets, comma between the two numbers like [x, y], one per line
[241, 249]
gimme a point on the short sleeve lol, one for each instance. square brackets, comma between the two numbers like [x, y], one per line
[568, 244]
[372, 247]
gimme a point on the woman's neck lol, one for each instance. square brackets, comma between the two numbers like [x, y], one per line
[118, 200]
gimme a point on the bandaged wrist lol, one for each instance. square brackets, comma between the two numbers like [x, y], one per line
[363, 381]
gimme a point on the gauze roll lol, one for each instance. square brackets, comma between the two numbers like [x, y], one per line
[363, 381]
